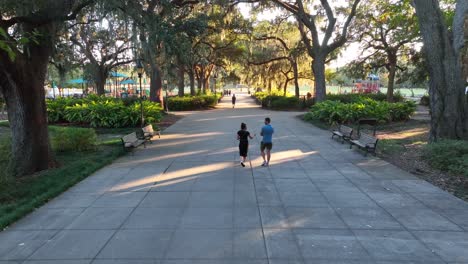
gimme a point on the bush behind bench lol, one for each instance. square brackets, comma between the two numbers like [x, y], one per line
[335, 111]
[103, 112]
[190, 103]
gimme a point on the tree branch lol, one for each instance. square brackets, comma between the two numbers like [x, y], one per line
[344, 34]
[331, 22]
[267, 61]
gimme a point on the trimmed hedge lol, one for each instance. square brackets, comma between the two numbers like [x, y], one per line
[102, 111]
[73, 139]
[357, 97]
[448, 155]
[189, 103]
[277, 101]
[334, 111]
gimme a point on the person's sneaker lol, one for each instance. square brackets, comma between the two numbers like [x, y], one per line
[242, 163]
[264, 164]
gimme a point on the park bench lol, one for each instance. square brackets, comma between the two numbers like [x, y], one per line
[148, 133]
[343, 132]
[366, 142]
[131, 141]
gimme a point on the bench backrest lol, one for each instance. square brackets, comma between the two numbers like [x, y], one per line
[368, 140]
[148, 129]
[345, 130]
[132, 137]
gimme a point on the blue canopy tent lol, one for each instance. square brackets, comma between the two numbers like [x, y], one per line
[77, 81]
[116, 75]
[373, 77]
[128, 81]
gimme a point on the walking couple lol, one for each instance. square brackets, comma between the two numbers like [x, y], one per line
[265, 146]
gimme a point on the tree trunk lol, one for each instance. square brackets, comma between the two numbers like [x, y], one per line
[191, 74]
[199, 84]
[203, 82]
[156, 93]
[464, 52]
[206, 85]
[181, 81]
[22, 84]
[449, 108]
[62, 72]
[285, 87]
[318, 68]
[101, 78]
[391, 78]
[296, 79]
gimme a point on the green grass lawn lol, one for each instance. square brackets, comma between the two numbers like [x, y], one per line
[19, 197]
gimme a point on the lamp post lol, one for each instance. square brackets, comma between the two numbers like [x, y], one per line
[140, 70]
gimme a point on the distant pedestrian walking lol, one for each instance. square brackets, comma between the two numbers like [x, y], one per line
[267, 142]
[233, 100]
[243, 136]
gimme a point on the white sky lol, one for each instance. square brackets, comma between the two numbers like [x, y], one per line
[351, 53]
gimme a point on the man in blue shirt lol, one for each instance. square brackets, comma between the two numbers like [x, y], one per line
[267, 141]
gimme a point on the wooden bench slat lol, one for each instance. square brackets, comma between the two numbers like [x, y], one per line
[131, 141]
[343, 132]
[149, 132]
[367, 142]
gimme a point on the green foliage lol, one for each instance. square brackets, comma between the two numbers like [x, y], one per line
[276, 100]
[73, 139]
[335, 111]
[188, 103]
[284, 103]
[448, 155]
[98, 111]
[354, 97]
[261, 96]
[4, 45]
[2, 103]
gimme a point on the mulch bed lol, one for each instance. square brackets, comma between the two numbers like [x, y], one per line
[414, 135]
[411, 160]
[168, 120]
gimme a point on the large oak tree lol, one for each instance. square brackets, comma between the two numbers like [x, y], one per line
[321, 39]
[28, 33]
[103, 38]
[386, 29]
[444, 49]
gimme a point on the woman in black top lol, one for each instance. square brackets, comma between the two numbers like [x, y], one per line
[243, 136]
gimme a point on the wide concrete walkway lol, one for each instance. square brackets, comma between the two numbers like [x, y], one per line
[185, 199]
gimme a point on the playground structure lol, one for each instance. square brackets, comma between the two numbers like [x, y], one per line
[370, 85]
[121, 86]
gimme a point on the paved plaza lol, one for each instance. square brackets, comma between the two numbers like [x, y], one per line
[185, 199]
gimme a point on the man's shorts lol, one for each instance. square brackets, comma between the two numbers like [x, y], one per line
[267, 146]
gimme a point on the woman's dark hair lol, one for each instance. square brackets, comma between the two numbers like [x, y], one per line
[243, 126]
